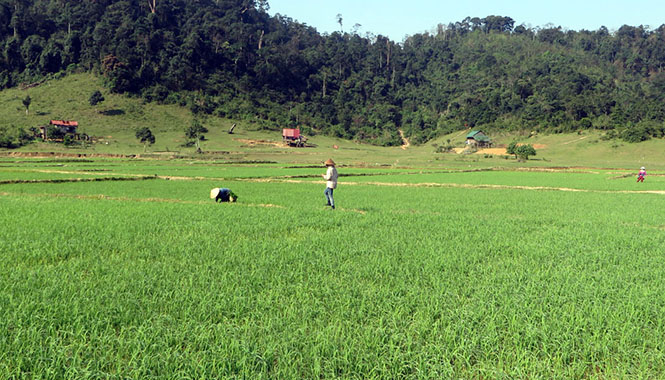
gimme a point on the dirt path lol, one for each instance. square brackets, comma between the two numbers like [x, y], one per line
[65, 155]
[158, 200]
[64, 180]
[405, 141]
[296, 180]
[128, 199]
[80, 172]
[572, 141]
[463, 132]
[102, 197]
[465, 186]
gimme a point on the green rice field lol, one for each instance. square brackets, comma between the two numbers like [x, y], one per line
[420, 273]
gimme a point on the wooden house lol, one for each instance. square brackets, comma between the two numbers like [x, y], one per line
[64, 127]
[479, 139]
[292, 137]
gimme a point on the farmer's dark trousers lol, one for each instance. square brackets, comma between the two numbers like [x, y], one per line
[329, 196]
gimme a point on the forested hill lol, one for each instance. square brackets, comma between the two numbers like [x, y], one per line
[230, 58]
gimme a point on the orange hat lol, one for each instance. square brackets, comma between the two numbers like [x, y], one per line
[330, 162]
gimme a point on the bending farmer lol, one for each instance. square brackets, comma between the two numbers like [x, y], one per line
[223, 195]
[331, 182]
[641, 174]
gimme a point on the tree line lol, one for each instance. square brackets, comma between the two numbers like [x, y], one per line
[230, 58]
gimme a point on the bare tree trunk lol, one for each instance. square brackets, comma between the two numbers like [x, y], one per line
[153, 5]
[325, 75]
[16, 11]
[388, 55]
[217, 39]
[261, 39]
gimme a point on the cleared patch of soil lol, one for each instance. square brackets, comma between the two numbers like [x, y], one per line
[251, 143]
[492, 151]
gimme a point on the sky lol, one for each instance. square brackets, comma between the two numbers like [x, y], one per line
[396, 19]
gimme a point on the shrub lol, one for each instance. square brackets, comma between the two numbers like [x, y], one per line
[96, 98]
[68, 140]
[511, 149]
[635, 134]
[524, 151]
[12, 137]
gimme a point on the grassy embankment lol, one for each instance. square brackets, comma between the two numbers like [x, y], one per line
[115, 121]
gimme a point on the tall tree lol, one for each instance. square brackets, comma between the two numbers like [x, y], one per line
[145, 136]
[196, 132]
[26, 103]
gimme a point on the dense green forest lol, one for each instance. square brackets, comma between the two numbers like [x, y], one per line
[230, 58]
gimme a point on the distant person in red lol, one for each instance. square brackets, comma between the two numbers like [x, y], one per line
[641, 174]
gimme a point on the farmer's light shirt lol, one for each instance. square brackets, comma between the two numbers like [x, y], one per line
[331, 177]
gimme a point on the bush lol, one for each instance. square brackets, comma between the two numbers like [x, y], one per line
[12, 137]
[512, 148]
[524, 151]
[54, 133]
[609, 135]
[635, 134]
[6, 142]
[69, 140]
[445, 148]
[96, 98]
[521, 151]
[585, 123]
[158, 93]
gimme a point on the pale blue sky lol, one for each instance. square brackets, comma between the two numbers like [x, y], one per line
[396, 19]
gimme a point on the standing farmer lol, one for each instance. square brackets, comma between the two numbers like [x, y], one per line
[331, 182]
[641, 174]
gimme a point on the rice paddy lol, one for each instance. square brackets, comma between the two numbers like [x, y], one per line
[420, 273]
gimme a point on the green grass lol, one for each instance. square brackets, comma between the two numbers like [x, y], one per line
[152, 279]
[115, 121]
[432, 266]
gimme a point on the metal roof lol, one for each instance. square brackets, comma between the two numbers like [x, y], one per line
[68, 123]
[478, 136]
